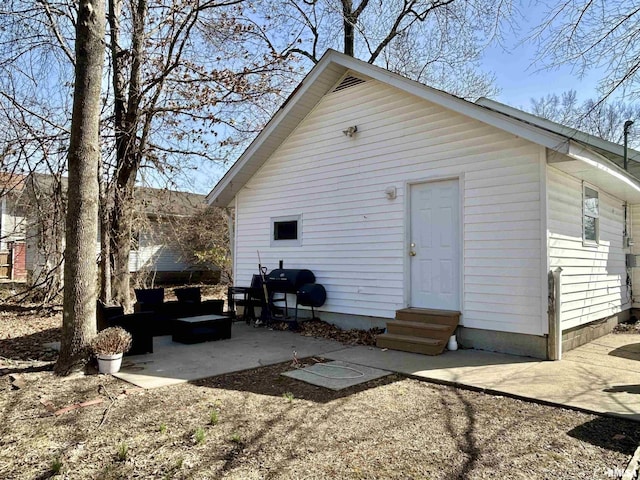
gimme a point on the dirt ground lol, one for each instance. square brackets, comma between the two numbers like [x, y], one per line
[258, 424]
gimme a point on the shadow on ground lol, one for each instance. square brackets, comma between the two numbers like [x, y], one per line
[30, 347]
[630, 352]
[45, 310]
[632, 389]
[611, 433]
[269, 381]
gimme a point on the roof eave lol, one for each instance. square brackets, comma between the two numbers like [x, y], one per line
[591, 167]
[564, 130]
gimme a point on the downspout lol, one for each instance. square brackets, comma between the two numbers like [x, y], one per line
[555, 327]
[628, 244]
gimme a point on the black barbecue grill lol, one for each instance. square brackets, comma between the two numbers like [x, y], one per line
[299, 282]
[287, 280]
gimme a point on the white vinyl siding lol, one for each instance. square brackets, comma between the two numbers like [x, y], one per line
[12, 222]
[593, 276]
[155, 254]
[634, 221]
[355, 237]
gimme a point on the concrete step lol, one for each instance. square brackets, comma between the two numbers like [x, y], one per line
[420, 329]
[428, 315]
[405, 343]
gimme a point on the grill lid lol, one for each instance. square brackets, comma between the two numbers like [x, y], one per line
[289, 280]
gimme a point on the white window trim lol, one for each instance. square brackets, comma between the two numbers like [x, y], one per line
[585, 241]
[286, 243]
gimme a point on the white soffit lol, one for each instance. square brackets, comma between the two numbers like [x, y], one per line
[584, 164]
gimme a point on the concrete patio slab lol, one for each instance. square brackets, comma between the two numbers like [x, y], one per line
[602, 376]
[336, 375]
[173, 363]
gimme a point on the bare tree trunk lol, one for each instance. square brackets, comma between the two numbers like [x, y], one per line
[105, 239]
[128, 151]
[348, 21]
[79, 315]
[47, 208]
[121, 223]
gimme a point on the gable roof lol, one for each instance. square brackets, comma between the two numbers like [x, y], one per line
[163, 202]
[612, 151]
[153, 202]
[589, 151]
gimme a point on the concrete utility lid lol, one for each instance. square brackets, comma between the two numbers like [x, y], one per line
[336, 375]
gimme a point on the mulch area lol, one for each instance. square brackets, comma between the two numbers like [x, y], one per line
[24, 331]
[319, 329]
[632, 326]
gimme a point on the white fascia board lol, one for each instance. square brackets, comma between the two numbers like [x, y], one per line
[597, 161]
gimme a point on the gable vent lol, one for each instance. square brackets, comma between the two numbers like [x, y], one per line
[348, 82]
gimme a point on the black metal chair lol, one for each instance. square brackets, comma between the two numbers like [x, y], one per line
[248, 298]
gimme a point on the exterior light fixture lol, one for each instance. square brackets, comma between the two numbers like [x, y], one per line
[349, 132]
[391, 192]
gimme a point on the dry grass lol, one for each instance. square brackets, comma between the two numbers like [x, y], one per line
[269, 426]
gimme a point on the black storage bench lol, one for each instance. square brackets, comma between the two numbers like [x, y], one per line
[202, 328]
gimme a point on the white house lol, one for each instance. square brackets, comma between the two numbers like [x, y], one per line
[397, 195]
[12, 228]
[155, 255]
[156, 251]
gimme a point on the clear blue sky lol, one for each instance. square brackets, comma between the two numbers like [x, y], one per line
[520, 80]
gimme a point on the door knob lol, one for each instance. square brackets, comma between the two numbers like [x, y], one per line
[412, 252]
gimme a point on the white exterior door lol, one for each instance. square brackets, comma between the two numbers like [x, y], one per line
[435, 245]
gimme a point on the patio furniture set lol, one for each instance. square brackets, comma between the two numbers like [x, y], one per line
[189, 319]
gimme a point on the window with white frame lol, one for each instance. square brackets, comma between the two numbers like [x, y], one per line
[590, 215]
[286, 231]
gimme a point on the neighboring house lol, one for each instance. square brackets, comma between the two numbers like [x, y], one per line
[12, 228]
[398, 195]
[156, 253]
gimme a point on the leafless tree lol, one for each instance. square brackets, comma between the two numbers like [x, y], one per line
[176, 83]
[36, 64]
[438, 42]
[78, 323]
[604, 119]
[587, 34]
[190, 80]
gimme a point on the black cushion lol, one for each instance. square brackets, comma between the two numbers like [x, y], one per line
[188, 294]
[149, 295]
